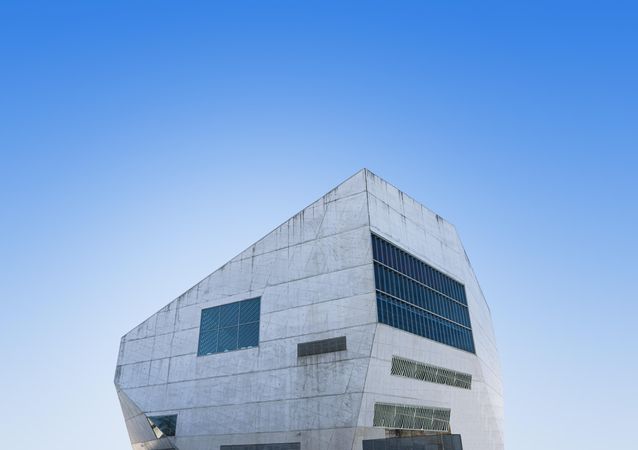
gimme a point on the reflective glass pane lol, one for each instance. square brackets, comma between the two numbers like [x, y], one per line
[210, 319]
[249, 311]
[207, 342]
[163, 425]
[248, 335]
[227, 339]
[417, 292]
[229, 315]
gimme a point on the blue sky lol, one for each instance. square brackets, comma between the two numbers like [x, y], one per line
[146, 143]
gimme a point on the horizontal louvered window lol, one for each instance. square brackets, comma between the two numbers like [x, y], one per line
[428, 372]
[408, 417]
[323, 346]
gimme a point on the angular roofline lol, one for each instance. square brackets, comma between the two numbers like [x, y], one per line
[367, 172]
[407, 195]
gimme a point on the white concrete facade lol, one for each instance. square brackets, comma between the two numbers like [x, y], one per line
[315, 277]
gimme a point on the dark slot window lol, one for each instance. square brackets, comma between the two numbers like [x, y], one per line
[233, 326]
[435, 442]
[163, 425]
[286, 446]
[323, 346]
[415, 297]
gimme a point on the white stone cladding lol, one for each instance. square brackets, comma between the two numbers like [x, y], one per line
[315, 277]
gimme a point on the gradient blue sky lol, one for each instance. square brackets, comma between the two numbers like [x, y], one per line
[146, 143]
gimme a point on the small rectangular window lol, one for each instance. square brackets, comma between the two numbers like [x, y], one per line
[163, 425]
[285, 446]
[437, 441]
[323, 346]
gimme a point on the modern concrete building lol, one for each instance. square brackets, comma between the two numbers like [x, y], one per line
[357, 324]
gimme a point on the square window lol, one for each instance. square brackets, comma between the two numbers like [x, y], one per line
[220, 327]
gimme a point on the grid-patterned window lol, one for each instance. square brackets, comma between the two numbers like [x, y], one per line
[233, 326]
[427, 372]
[415, 297]
[409, 417]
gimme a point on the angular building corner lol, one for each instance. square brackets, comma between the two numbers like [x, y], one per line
[358, 324]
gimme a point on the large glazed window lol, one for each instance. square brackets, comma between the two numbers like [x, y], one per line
[415, 297]
[233, 326]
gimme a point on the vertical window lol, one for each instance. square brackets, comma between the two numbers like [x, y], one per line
[233, 326]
